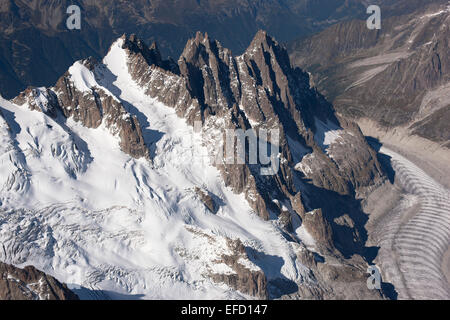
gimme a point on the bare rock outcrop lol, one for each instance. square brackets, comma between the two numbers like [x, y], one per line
[40, 99]
[245, 280]
[319, 228]
[31, 284]
[91, 107]
[257, 90]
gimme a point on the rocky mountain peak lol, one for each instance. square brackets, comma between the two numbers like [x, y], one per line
[8, 6]
[79, 96]
[258, 89]
[31, 284]
[201, 37]
[199, 49]
[264, 43]
[407, 60]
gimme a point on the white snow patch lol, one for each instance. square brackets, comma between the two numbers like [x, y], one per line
[82, 77]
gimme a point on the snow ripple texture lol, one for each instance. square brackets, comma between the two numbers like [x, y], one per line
[415, 237]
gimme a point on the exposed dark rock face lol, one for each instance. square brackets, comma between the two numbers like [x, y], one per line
[251, 282]
[31, 284]
[336, 279]
[40, 99]
[33, 34]
[407, 61]
[258, 90]
[362, 170]
[434, 127]
[207, 200]
[319, 155]
[91, 108]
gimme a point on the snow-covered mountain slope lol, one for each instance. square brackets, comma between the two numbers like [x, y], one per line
[406, 60]
[102, 187]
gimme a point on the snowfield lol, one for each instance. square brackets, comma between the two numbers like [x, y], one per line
[78, 208]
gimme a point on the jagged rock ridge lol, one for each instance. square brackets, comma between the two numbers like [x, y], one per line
[31, 284]
[321, 155]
